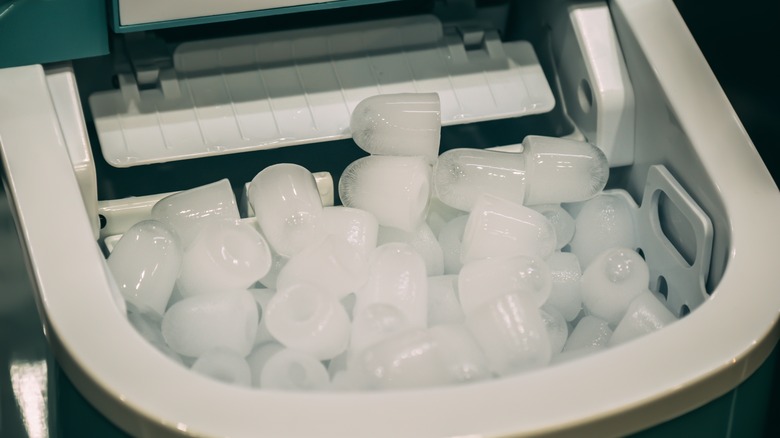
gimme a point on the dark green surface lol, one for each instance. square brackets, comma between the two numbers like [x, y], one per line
[40, 31]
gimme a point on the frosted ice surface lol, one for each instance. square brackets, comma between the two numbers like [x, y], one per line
[330, 264]
[589, 332]
[565, 293]
[443, 303]
[512, 334]
[197, 324]
[398, 124]
[483, 280]
[292, 370]
[224, 365]
[308, 319]
[422, 240]
[612, 281]
[561, 221]
[288, 207]
[500, 228]
[147, 323]
[397, 276]
[145, 264]
[357, 227]
[606, 221]
[557, 329]
[262, 297]
[563, 170]
[461, 175]
[644, 315]
[439, 214]
[451, 242]
[421, 358]
[224, 255]
[374, 323]
[187, 211]
[395, 189]
[259, 356]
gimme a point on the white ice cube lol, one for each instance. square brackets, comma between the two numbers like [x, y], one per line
[512, 334]
[439, 213]
[292, 370]
[451, 242]
[483, 280]
[590, 332]
[606, 221]
[145, 264]
[565, 293]
[224, 255]
[561, 221]
[262, 297]
[357, 227]
[374, 323]
[644, 315]
[197, 324]
[189, 210]
[557, 329]
[397, 276]
[443, 303]
[395, 189]
[398, 124]
[612, 281]
[224, 365]
[288, 207]
[330, 264]
[258, 357]
[422, 240]
[500, 228]
[308, 319]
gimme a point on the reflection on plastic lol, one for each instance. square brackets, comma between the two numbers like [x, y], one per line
[29, 382]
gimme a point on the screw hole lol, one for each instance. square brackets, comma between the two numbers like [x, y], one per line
[684, 310]
[585, 96]
[103, 221]
[641, 253]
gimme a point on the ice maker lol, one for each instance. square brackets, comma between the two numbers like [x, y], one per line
[186, 93]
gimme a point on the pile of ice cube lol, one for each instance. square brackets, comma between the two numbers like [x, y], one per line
[436, 270]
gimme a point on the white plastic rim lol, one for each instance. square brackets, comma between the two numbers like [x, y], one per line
[611, 401]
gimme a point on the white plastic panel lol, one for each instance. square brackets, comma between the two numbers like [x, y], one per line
[295, 87]
[596, 87]
[150, 11]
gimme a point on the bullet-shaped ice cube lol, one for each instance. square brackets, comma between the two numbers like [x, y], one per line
[565, 293]
[398, 124]
[451, 242]
[483, 280]
[561, 221]
[259, 356]
[443, 303]
[147, 323]
[189, 210]
[439, 213]
[197, 324]
[145, 264]
[644, 315]
[331, 264]
[590, 332]
[606, 221]
[288, 207]
[308, 319]
[224, 365]
[500, 228]
[557, 329]
[357, 227]
[418, 358]
[512, 334]
[292, 370]
[395, 189]
[612, 281]
[422, 240]
[224, 255]
[549, 170]
[397, 277]
[374, 323]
